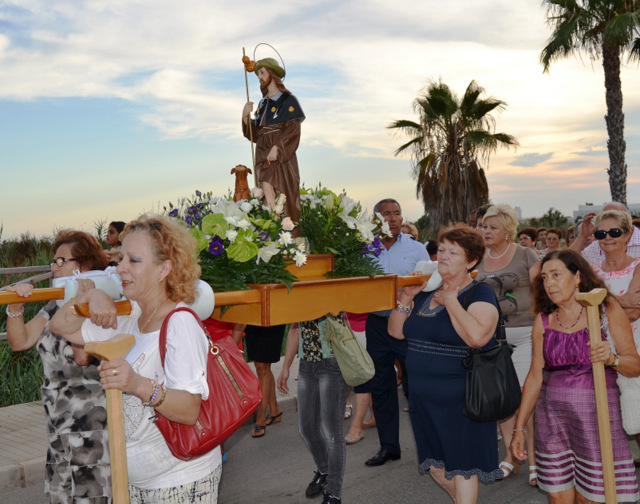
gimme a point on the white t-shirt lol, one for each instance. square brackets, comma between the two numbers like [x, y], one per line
[150, 464]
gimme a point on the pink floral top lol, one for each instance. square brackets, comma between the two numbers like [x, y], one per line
[618, 283]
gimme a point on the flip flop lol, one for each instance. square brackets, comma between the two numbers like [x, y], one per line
[348, 410]
[274, 419]
[258, 430]
[533, 475]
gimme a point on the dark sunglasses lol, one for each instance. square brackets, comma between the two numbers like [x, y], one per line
[59, 261]
[601, 234]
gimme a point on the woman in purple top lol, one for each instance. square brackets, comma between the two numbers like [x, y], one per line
[561, 382]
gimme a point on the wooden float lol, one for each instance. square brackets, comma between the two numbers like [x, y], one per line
[311, 297]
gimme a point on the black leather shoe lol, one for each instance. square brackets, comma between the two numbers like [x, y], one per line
[381, 458]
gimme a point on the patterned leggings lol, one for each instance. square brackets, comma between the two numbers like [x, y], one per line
[203, 491]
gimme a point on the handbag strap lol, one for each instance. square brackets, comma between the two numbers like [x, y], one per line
[500, 332]
[162, 340]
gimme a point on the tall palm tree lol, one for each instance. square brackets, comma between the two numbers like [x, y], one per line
[447, 146]
[599, 27]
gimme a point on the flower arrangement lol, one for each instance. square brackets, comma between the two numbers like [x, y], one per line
[240, 242]
[335, 224]
[246, 242]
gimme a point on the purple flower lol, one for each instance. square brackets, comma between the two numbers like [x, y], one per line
[197, 216]
[377, 252]
[264, 236]
[216, 246]
[173, 213]
[187, 219]
[198, 193]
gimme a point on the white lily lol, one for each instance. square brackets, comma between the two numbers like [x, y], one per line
[266, 253]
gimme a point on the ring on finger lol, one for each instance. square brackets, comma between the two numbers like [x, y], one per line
[115, 372]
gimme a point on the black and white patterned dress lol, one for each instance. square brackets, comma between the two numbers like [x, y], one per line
[77, 469]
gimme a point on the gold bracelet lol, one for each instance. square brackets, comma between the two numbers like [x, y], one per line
[162, 397]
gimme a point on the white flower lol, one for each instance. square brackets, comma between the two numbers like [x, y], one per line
[257, 192]
[285, 238]
[254, 202]
[287, 224]
[243, 224]
[266, 253]
[328, 201]
[231, 235]
[279, 208]
[302, 247]
[282, 199]
[245, 206]
[231, 220]
[300, 258]
[385, 229]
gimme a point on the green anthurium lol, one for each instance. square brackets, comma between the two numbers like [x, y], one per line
[242, 250]
[215, 225]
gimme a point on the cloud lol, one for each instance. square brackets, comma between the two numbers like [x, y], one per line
[533, 159]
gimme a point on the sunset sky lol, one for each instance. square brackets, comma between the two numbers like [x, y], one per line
[110, 108]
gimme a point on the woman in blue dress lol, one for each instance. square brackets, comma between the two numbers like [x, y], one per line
[457, 452]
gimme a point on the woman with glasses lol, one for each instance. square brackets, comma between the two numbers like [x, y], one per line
[620, 272]
[77, 467]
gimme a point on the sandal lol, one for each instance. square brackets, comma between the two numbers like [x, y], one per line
[348, 411]
[258, 430]
[273, 419]
[508, 469]
[533, 476]
[353, 439]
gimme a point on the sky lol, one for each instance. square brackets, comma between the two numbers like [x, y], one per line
[112, 108]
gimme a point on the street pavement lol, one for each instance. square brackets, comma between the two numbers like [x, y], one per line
[277, 467]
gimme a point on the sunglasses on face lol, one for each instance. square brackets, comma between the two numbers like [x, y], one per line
[59, 261]
[601, 234]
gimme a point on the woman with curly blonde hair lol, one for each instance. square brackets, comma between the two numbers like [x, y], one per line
[159, 270]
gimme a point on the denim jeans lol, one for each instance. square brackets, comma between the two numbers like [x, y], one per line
[322, 394]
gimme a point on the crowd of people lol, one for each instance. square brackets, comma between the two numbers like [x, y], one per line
[532, 275]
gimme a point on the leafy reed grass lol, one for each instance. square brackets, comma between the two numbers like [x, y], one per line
[21, 373]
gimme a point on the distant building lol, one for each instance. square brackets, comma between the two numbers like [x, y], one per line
[518, 213]
[634, 208]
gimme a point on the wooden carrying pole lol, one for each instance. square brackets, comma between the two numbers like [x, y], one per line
[115, 348]
[253, 156]
[592, 301]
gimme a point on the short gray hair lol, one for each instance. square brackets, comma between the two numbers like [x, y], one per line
[379, 204]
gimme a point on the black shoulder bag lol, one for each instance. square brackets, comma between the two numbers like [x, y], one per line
[492, 388]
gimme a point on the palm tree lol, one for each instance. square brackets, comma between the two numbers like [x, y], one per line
[447, 146]
[607, 28]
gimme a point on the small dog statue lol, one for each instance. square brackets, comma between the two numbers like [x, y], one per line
[242, 187]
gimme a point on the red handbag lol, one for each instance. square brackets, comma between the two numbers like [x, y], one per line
[234, 394]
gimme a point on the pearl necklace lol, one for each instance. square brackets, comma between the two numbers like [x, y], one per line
[571, 326]
[501, 255]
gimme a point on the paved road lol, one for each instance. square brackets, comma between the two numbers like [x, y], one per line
[277, 468]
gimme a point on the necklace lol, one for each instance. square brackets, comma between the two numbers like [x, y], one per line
[572, 325]
[501, 255]
[150, 317]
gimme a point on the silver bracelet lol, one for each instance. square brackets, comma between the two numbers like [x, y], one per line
[520, 430]
[15, 315]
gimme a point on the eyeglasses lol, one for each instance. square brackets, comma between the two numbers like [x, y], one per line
[59, 261]
[601, 234]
